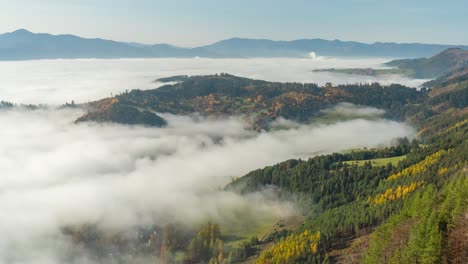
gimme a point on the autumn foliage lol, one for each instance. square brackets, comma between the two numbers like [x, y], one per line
[396, 193]
[293, 248]
[420, 167]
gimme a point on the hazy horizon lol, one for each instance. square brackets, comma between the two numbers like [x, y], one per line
[228, 38]
[195, 23]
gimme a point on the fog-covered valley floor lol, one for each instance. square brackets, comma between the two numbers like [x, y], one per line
[56, 173]
[60, 81]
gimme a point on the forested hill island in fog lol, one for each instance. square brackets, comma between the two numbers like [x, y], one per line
[259, 102]
[25, 45]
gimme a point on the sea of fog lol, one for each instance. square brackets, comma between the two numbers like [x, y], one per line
[60, 81]
[56, 173]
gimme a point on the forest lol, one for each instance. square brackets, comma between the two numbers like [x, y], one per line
[259, 102]
[348, 202]
[355, 207]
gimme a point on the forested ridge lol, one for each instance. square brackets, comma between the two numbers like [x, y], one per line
[259, 102]
[413, 211]
[348, 201]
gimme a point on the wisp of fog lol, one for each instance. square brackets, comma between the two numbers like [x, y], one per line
[57, 173]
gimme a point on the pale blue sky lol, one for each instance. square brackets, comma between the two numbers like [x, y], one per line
[198, 22]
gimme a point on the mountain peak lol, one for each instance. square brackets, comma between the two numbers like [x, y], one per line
[21, 31]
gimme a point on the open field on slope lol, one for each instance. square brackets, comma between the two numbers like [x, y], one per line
[378, 162]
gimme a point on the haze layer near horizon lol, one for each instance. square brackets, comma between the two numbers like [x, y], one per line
[194, 23]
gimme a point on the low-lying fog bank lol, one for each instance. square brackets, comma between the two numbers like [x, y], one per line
[56, 173]
[60, 81]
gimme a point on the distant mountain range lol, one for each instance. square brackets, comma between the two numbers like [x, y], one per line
[25, 45]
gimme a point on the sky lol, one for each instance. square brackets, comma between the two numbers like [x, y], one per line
[192, 23]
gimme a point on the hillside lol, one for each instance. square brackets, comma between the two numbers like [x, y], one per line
[443, 63]
[450, 62]
[401, 204]
[410, 212]
[25, 45]
[259, 102]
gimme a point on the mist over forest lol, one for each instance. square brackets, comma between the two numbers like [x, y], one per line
[233, 132]
[58, 173]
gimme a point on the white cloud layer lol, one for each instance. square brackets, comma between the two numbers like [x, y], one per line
[60, 81]
[56, 173]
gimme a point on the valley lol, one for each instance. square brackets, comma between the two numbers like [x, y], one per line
[259, 151]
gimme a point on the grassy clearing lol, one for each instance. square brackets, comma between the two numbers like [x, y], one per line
[233, 236]
[378, 162]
